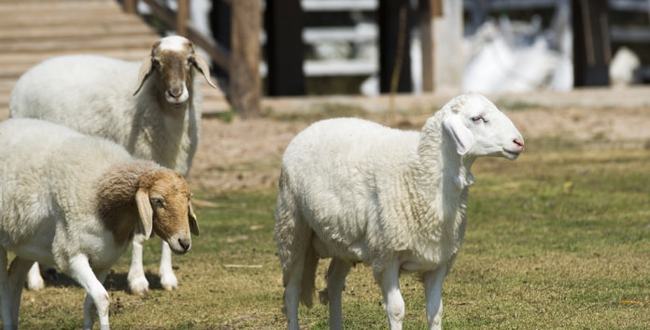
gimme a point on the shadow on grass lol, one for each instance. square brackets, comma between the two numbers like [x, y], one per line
[114, 281]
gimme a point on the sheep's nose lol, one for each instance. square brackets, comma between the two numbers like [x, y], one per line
[175, 92]
[519, 142]
[186, 244]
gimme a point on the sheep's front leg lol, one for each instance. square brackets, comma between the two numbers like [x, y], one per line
[34, 279]
[81, 271]
[167, 278]
[137, 281]
[433, 292]
[336, 274]
[89, 307]
[393, 301]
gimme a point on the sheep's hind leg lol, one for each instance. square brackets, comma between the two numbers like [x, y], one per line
[5, 296]
[81, 271]
[138, 283]
[388, 279]
[35, 281]
[336, 274]
[17, 275]
[167, 278]
[293, 281]
[433, 292]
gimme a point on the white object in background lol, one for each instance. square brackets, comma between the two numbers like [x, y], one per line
[622, 67]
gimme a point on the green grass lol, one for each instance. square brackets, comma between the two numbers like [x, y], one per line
[559, 239]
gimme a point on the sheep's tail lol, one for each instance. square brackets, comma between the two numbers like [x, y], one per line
[293, 237]
[308, 276]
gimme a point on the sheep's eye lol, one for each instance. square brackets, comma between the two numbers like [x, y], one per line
[477, 118]
[157, 202]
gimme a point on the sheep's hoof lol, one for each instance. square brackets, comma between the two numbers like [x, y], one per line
[169, 281]
[139, 286]
[323, 296]
[35, 283]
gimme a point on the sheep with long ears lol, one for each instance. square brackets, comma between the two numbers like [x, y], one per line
[75, 202]
[151, 108]
[356, 191]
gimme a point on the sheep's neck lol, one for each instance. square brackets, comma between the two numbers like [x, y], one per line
[166, 132]
[116, 205]
[442, 178]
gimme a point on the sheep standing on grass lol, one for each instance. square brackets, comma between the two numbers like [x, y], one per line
[75, 202]
[357, 191]
[95, 95]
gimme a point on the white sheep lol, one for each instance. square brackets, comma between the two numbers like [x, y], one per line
[357, 191]
[95, 95]
[75, 202]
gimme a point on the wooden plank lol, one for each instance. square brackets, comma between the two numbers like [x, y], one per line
[38, 5]
[339, 5]
[353, 34]
[38, 32]
[425, 20]
[68, 19]
[82, 44]
[130, 6]
[135, 54]
[245, 82]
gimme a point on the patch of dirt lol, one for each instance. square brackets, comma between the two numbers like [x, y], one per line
[242, 154]
[245, 154]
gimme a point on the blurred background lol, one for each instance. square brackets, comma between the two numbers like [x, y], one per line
[559, 238]
[350, 47]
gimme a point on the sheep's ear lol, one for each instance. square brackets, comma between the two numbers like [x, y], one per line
[462, 136]
[145, 226]
[145, 72]
[194, 225]
[203, 67]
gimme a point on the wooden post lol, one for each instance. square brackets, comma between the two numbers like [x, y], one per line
[284, 47]
[388, 15]
[591, 45]
[425, 18]
[130, 6]
[181, 17]
[220, 25]
[245, 83]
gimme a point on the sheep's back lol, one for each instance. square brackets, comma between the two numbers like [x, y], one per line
[340, 171]
[92, 94]
[48, 171]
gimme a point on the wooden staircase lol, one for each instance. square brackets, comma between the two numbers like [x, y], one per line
[34, 30]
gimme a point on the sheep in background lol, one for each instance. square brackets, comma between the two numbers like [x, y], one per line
[357, 191]
[95, 95]
[75, 202]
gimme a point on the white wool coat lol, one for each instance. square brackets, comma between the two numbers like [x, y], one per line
[370, 193]
[48, 193]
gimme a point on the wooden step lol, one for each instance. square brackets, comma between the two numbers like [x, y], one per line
[80, 45]
[135, 54]
[73, 19]
[36, 33]
[37, 6]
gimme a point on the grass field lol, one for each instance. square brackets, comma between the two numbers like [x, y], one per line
[559, 239]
